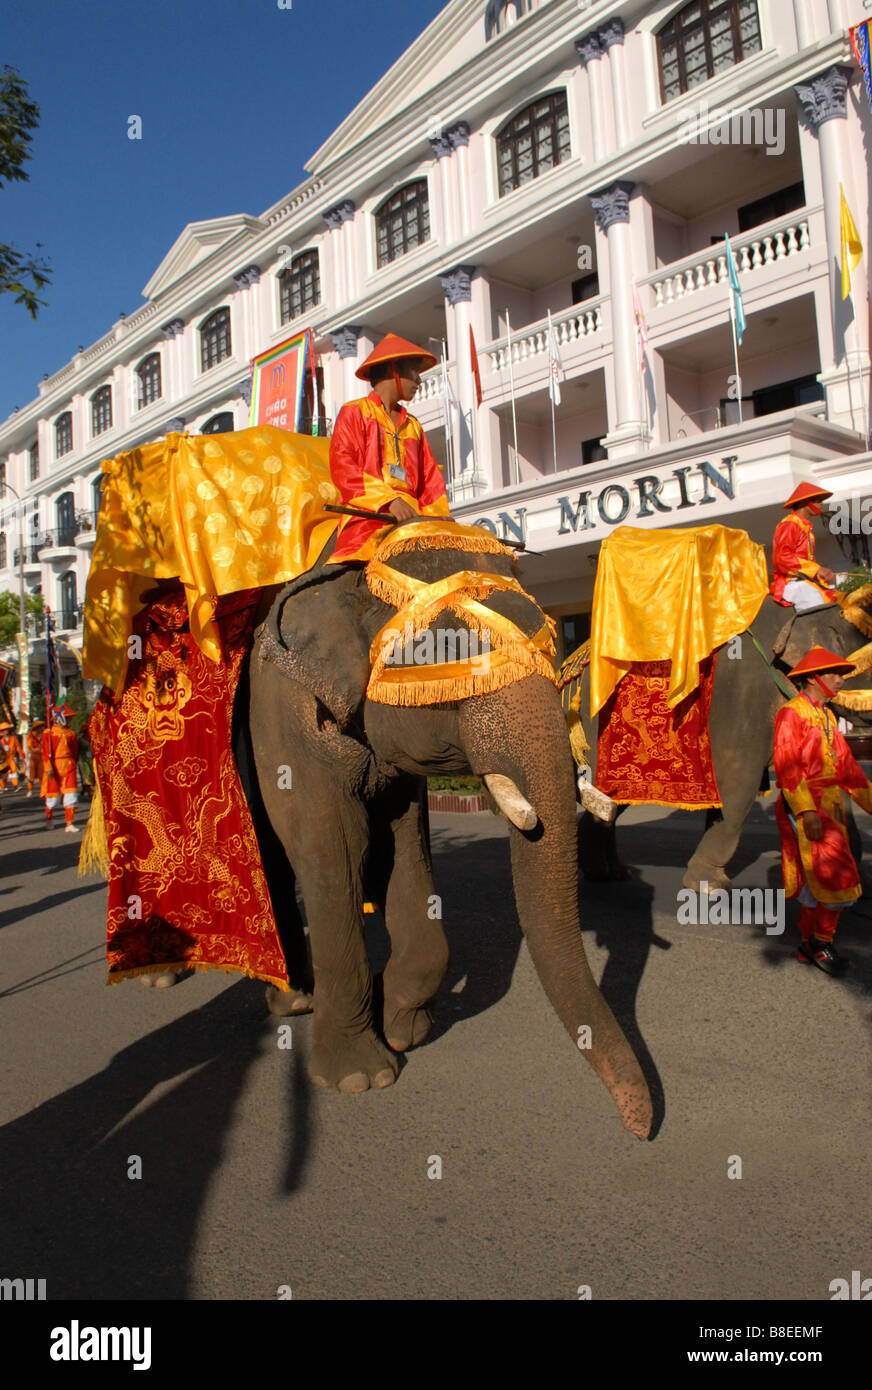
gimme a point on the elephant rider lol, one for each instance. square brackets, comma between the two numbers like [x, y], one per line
[379, 458]
[60, 759]
[797, 578]
[814, 765]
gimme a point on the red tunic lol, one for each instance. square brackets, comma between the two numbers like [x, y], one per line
[62, 746]
[812, 763]
[372, 463]
[793, 558]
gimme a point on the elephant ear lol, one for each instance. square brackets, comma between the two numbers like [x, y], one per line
[317, 634]
[788, 644]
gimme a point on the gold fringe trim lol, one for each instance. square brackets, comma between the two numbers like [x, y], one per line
[94, 849]
[421, 691]
[854, 608]
[115, 977]
[675, 805]
[577, 737]
[860, 700]
[440, 535]
[861, 658]
[574, 664]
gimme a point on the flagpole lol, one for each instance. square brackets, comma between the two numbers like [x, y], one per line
[512, 391]
[735, 350]
[551, 380]
[447, 420]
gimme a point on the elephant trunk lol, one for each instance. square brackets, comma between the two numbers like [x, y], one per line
[527, 716]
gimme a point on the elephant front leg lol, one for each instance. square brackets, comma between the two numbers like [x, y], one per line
[739, 783]
[413, 915]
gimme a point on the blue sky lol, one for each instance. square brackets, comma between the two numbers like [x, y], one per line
[234, 96]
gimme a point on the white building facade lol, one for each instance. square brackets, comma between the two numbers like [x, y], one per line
[521, 159]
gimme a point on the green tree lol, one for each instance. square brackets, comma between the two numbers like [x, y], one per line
[21, 273]
[9, 614]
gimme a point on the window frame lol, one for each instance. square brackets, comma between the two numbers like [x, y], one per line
[501, 133]
[97, 403]
[202, 330]
[706, 10]
[32, 474]
[141, 402]
[286, 285]
[382, 211]
[218, 415]
[65, 416]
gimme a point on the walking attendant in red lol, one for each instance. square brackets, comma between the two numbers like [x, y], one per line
[814, 765]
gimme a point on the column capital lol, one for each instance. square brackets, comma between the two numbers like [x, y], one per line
[245, 389]
[173, 328]
[612, 204]
[440, 145]
[249, 276]
[588, 48]
[345, 340]
[611, 33]
[176, 425]
[457, 134]
[456, 284]
[825, 98]
[339, 213]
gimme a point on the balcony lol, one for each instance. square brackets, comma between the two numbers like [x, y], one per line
[768, 245]
[57, 545]
[86, 529]
[30, 556]
[68, 619]
[574, 329]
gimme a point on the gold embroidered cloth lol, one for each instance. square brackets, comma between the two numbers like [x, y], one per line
[220, 512]
[672, 595]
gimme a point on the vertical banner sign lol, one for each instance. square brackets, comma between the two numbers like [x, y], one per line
[23, 679]
[277, 378]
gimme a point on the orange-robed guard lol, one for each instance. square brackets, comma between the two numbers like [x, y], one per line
[797, 578]
[60, 776]
[379, 457]
[33, 755]
[813, 766]
[12, 754]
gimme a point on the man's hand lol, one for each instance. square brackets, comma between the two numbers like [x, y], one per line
[401, 510]
[826, 576]
[811, 824]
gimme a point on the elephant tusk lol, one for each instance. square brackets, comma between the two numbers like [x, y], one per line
[513, 805]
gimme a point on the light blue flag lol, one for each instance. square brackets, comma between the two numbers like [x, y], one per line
[735, 289]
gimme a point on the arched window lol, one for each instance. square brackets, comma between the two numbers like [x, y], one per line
[101, 410]
[402, 222]
[533, 141]
[3, 478]
[148, 380]
[97, 495]
[34, 461]
[68, 599]
[63, 434]
[65, 512]
[300, 286]
[501, 14]
[702, 39]
[219, 424]
[215, 339]
[2, 550]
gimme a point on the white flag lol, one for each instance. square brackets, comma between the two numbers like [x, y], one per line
[556, 373]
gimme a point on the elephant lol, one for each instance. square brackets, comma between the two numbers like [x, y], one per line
[745, 700]
[350, 815]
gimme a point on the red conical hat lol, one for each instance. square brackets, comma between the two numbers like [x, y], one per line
[389, 349]
[805, 493]
[819, 660]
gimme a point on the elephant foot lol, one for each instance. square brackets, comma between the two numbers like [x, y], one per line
[697, 875]
[166, 979]
[282, 1003]
[406, 1028]
[352, 1064]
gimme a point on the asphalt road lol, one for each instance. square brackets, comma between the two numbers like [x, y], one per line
[252, 1180]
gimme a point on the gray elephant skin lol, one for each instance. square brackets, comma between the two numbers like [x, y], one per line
[352, 825]
[745, 701]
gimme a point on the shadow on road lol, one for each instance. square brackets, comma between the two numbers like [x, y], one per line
[70, 1213]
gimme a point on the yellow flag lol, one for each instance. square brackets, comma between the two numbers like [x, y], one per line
[852, 247]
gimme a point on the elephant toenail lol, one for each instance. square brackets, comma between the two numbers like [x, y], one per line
[356, 1083]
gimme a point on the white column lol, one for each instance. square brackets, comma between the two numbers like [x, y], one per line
[458, 139]
[611, 37]
[846, 378]
[457, 288]
[589, 51]
[627, 433]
